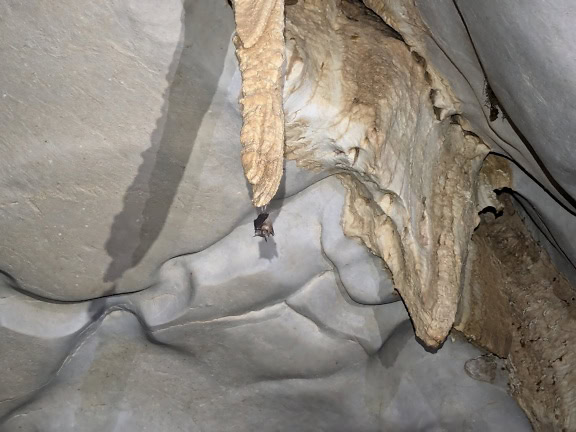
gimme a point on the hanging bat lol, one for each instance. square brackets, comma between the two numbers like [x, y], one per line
[263, 226]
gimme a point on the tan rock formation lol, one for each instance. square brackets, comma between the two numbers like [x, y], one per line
[517, 305]
[359, 103]
[260, 49]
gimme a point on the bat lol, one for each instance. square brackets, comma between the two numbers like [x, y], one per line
[263, 226]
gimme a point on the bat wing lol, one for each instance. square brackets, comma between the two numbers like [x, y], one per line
[259, 221]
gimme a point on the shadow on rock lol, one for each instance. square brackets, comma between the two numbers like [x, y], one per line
[194, 75]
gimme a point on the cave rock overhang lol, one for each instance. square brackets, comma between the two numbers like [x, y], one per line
[358, 102]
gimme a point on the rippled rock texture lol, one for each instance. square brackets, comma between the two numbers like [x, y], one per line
[301, 333]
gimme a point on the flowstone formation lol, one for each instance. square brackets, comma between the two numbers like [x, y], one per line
[359, 103]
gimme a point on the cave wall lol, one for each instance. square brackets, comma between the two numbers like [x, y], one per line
[516, 304]
[105, 159]
[131, 286]
[508, 65]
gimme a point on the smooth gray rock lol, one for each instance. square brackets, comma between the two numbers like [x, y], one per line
[121, 141]
[245, 335]
[524, 49]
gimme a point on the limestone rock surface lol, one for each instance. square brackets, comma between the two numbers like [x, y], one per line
[133, 296]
